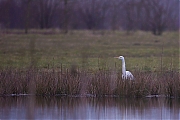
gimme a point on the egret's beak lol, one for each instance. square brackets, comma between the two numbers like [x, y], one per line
[116, 57]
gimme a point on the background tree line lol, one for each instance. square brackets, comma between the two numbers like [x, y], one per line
[130, 15]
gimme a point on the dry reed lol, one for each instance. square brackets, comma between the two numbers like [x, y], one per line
[101, 83]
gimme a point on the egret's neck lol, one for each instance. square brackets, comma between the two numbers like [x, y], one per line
[123, 67]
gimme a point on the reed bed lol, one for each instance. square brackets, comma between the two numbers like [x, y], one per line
[85, 83]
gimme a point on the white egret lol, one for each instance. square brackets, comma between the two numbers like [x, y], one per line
[125, 74]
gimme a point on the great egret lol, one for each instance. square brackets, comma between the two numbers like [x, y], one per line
[125, 74]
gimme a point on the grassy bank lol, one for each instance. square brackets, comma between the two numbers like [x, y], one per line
[85, 49]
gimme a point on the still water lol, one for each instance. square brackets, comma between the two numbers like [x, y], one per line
[65, 108]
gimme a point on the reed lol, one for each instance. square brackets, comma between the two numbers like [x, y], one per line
[171, 84]
[39, 82]
[100, 83]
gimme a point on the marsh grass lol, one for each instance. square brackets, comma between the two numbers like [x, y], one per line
[33, 81]
[81, 63]
[171, 84]
[100, 83]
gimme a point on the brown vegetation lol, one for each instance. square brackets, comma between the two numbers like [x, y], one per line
[101, 83]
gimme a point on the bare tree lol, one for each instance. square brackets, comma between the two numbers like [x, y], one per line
[93, 13]
[66, 17]
[5, 12]
[173, 15]
[114, 14]
[149, 15]
[27, 14]
[46, 10]
[129, 8]
[158, 11]
[88, 14]
[133, 15]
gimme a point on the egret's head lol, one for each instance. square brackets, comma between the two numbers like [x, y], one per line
[120, 57]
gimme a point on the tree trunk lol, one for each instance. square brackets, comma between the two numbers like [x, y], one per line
[27, 16]
[65, 22]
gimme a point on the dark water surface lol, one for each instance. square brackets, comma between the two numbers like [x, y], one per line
[65, 108]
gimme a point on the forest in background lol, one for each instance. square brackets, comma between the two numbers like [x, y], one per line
[129, 15]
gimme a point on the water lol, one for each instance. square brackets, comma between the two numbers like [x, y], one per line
[65, 108]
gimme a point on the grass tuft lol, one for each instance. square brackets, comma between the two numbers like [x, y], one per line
[99, 83]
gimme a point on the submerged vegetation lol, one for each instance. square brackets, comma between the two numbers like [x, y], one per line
[81, 63]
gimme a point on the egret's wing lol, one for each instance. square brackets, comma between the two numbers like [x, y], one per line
[129, 75]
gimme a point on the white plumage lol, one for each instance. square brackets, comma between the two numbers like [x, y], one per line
[125, 74]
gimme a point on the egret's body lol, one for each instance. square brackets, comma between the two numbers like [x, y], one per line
[125, 74]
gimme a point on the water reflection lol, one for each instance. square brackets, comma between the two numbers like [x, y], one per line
[31, 107]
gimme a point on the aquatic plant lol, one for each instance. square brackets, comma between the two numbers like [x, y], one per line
[100, 83]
